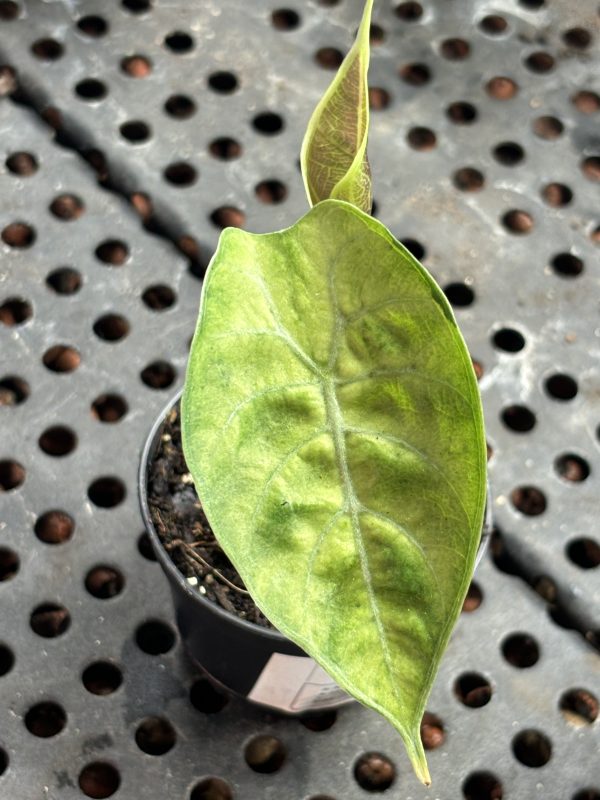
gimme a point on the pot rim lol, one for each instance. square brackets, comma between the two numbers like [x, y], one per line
[170, 567]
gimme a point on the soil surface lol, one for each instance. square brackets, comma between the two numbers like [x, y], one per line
[185, 532]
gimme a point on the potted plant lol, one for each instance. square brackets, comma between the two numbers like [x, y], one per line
[332, 427]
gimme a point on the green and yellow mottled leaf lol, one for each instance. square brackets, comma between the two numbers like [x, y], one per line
[334, 151]
[332, 424]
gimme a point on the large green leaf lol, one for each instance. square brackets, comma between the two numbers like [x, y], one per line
[334, 151]
[332, 424]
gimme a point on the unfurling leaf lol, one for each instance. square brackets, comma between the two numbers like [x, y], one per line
[334, 151]
[333, 427]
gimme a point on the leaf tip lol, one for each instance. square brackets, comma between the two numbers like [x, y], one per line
[416, 753]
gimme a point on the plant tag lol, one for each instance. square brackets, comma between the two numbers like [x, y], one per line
[295, 683]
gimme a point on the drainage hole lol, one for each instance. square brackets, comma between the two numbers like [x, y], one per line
[493, 24]
[50, 620]
[104, 582]
[93, 25]
[567, 265]
[12, 475]
[265, 754]
[18, 235]
[529, 500]
[58, 441]
[587, 102]
[136, 66]
[461, 113]
[374, 772]
[181, 174]
[468, 179]
[106, 492]
[285, 19]
[319, 721]
[509, 340]
[47, 49]
[206, 698]
[557, 195]
[518, 221]
[67, 207]
[532, 748]
[212, 789]
[579, 706]
[102, 678]
[9, 564]
[455, 49]
[540, 62]
[111, 327]
[179, 42]
[271, 192]
[22, 164]
[159, 297]
[112, 251]
[379, 98]
[145, 548]
[54, 527]
[7, 660]
[508, 153]
[572, 467]
[109, 408]
[45, 720]
[591, 168]
[473, 599]
[329, 57]
[223, 82]
[268, 123]
[64, 280]
[547, 127]
[473, 690]
[409, 11]
[521, 650]
[180, 106]
[584, 552]
[135, 131]
[15, 311]
[158, 375]
[415, 74]
[228, 217]
[91, 89]
[561, 386]
[225, 148]
[482, 786]
[155, 736]
[154, 637]
[99, 780]
[459, 294]
[501, 88]
[432, 731]
[421, 139]
[13, 390]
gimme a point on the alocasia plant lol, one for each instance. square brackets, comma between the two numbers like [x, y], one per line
[333, 427]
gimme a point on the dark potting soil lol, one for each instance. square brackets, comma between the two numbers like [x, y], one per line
[185, 533]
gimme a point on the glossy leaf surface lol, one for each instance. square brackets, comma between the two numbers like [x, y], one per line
[334, 152]
[332, 424]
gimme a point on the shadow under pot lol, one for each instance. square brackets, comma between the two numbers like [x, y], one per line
[221, 627]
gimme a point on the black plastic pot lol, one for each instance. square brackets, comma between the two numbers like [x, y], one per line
[257, 663]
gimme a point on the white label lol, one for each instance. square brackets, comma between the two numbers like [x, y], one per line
[294, 684]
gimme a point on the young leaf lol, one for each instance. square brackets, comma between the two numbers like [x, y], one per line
[334, 151]
[332, 424]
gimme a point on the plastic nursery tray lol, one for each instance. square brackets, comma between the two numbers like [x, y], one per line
[486, 163]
